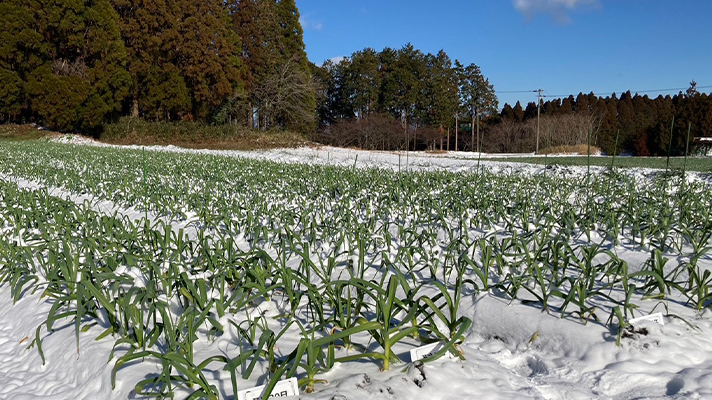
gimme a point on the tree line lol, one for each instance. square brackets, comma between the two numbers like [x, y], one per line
[630, 123]
[74, 64]
[361, 97]
[404, 98]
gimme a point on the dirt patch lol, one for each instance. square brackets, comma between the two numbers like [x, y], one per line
[579, 149]
[25, 132]
[128, 131]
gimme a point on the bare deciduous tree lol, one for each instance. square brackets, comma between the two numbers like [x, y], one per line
[287, 98]
[377, 132]
[568, 130]
[557, 130]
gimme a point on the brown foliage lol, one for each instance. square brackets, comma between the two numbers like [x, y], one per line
[286, 98]
[377, 132]
[640, 145]
[508, 137]
[554, 130]
[579, 149]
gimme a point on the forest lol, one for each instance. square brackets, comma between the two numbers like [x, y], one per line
[76, 66]
[631, 123]
[73, 65]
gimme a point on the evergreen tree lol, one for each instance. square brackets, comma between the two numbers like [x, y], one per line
[207, 54]
[626, 120]
[410, 68]
[362, 82]
[388, 94]
[508, 113]
[150, 33]
[22, 45]
[327, 88]
[479, 99]
[11, 95]
[705, 126]
[290, 43]
[614, 127]
[338, 93]
[567, 106]
[518, 112]
[582, 104]
[253, 21]
[530, 111]
[642, 124]
[608, 127]
[441, 90]
[273, 51]
[22, 50]
[659, 133]
[692, 90]
[183, 56]
[67, 58]
[551, 107]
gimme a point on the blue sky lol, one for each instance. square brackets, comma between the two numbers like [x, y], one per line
[561, 46]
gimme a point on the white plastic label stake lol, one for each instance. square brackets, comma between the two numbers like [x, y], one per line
[657, 318]
[427, 351]
[288, 387]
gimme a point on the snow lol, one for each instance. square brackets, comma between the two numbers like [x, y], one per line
[512, 351]
[461, 161]
[68, 373]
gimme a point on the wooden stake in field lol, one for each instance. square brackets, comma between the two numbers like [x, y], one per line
[457, 122]
[548, 146]
[588, 159]
[538, 107]
[615, 148]
[472, 133]
[687, 149]
[448, 138]
[145, 185]
[672, 127]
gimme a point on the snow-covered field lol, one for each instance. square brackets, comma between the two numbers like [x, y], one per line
[516, 347]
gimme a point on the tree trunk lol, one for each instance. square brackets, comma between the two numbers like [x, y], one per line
[457, 123]
[479, 142]
[407, 139]
[415, 139]
[448, 138]
[472, 133]
[134, 108]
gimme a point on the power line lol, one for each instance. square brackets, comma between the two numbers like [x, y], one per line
[603, 92]
[632, 91]
[516, 91]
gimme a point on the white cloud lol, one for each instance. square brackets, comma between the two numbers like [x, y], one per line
[307, 23]
[334, 60]
[556, 9]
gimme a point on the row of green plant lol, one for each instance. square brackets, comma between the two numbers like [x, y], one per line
[159, 293]
[322, 201]
[701, 164]
[300, 267]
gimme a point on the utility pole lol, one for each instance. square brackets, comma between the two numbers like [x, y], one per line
[538, 107]
[457, 122]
